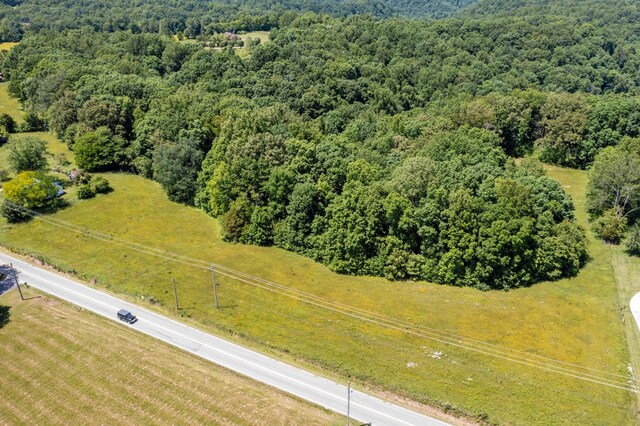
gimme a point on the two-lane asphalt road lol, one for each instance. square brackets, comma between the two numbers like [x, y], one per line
[283, 376]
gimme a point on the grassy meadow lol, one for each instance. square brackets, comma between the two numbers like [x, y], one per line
[8, 104]
[574, 321]
[243, 52]
[63, 365]
[8, 45]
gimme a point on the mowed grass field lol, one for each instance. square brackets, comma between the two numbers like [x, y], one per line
[63, 365]
[575, 321]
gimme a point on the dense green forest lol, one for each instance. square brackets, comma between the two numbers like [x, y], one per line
[195, 17]
[374, 146]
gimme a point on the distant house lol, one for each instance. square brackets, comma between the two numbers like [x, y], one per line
[230, 35]
[73, 174]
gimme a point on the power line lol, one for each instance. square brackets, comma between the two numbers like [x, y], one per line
[545, 363]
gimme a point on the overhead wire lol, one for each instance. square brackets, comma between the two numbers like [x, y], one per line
[444, 337]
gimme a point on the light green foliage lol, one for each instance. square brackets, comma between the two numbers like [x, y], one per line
[33, 190]
[27, 153]
[100, 150]
[614, 181]
[610, 226]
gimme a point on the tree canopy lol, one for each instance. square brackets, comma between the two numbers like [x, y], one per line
[375, 146]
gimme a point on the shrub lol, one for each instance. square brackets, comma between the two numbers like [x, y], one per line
[4, 175]
[610, 226]
[83, 178]
[86, 191]
[7, 122]
[101, 185]
[32, 123]
[13, 214]
[633, 241]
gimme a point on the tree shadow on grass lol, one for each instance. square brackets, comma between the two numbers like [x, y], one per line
[4, 315]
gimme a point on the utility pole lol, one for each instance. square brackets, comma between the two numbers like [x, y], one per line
[15, 277]
[175, 293]
[349, 405]
[213, 279]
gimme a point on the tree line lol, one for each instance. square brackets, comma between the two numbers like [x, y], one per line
[374, 146]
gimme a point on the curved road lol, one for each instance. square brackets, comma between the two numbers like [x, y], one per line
[283, 376]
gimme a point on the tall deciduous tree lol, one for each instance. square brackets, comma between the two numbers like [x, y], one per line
[27, 153]
[614, 181]
[175, 166]
[100, 150]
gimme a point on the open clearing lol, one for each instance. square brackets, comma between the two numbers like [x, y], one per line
[61, 364]
[576, 321]
[8, 45]
[8, 104]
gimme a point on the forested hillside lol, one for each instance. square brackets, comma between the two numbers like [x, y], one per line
[374, 146]
[600, 11]
[194, 17]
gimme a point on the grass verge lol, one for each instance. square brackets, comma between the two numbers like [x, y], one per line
[63, 365]
[575, 321]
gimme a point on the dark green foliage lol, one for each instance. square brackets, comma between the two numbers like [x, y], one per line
[32, 123]
[4, 175]
[27, 153]
[176, 165]
[101, 185]
[191, 18]
[13, 213]
[7, 122]
[86, 191]
[375, 146]
[632, 243]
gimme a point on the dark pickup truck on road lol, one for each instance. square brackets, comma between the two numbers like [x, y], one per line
[126, 316]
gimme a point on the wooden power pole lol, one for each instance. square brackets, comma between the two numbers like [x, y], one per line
[15, 277]
[213, 280]
[175, 293]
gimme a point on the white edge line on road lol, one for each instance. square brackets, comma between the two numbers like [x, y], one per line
[215, 349]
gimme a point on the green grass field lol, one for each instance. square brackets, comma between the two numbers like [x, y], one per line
[8, 45]
[262, 35]
[63, 365]
[9, 105]
[576, 321]
[243, 52]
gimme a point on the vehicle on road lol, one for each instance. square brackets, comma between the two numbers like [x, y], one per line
[126, 316]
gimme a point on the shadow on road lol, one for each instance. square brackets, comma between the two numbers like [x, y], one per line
[6, 278]
[4, 315]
